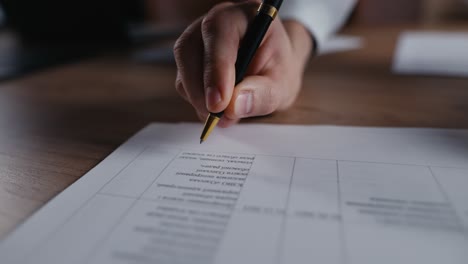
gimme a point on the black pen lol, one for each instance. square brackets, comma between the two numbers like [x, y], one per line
[256, 31]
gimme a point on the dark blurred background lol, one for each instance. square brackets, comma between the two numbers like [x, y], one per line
[39, 34]
[71, 20]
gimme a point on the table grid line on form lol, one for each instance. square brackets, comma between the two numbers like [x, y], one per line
[340, 212]
[340, 160]
[49, 236]
[117, 223]
[448, 200]
[234, 207]
[285, 216]
[141, 198]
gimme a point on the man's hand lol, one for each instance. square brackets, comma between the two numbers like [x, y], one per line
[206, 54]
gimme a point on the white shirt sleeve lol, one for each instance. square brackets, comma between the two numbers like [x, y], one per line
[321, 17]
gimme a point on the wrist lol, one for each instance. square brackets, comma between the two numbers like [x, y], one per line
[302, 41]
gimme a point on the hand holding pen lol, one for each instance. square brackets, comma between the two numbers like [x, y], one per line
[208, 76]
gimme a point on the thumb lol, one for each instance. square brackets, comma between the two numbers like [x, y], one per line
[254, 96]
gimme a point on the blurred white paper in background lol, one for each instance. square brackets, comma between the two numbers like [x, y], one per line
[432, 53]
[341, 43]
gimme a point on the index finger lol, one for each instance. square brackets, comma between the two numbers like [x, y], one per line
[222, 31]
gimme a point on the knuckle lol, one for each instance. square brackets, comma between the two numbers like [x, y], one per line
[215, 18]
[179, 47]
[179, 86]
[186, 40]
[210, 25]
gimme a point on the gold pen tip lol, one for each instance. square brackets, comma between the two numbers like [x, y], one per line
[210, 124]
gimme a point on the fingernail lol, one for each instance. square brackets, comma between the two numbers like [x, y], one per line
[213, 97]
[244, 104]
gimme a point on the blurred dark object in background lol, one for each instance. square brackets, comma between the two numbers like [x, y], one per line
[46, 33]
[436, 11]
[385, 11]
[410, 11]
[82, 20]
[177, 12]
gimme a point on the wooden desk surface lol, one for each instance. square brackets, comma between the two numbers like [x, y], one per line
[58, 124]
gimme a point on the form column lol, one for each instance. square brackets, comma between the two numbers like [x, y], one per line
[254, 231]
[397, 214]
[312, 230]
[454, 184]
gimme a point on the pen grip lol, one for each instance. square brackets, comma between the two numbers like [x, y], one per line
[250, 43]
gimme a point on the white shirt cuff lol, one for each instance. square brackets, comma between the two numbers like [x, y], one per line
[321, 17]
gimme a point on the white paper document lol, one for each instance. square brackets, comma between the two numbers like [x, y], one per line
[432, 53]
[261, 194]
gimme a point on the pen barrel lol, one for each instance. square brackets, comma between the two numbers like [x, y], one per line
[249, 45]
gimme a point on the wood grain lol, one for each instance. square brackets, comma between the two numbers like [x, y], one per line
[58, 124]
